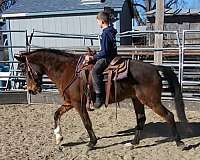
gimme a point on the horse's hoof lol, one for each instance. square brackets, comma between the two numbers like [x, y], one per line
[59, 139]
[181, 145]
[90, 146]
[90, 109]
[59, 148]
[135, 142]
[129, 146]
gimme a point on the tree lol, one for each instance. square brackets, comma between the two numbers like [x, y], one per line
[5, 4]
[142, 6]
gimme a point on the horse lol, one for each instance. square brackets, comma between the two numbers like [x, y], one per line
[143, 86]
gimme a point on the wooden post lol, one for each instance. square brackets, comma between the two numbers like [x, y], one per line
[147, 5]
[159, 25]
[1, 49]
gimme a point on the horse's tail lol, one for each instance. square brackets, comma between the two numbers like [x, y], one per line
[175, 88]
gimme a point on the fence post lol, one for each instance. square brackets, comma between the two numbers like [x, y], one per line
[182, 59]
[159, 24]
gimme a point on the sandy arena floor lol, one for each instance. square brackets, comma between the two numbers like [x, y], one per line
[27, 133]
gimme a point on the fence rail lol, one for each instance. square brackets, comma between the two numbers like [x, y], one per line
[181, 65]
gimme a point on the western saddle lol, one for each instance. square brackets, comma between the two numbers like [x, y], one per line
[117, 70]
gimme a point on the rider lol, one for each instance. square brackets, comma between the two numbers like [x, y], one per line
[108, 50]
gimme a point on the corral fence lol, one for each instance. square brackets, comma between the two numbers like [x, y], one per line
[181, 56]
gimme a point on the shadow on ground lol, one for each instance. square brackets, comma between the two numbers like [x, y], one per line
[152, 130]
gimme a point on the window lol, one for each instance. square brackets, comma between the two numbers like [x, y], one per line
[92, 1]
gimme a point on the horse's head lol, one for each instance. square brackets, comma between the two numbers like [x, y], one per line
[33, 73]
[90, 52]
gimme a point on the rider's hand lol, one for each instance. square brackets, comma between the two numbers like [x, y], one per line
[88, 58]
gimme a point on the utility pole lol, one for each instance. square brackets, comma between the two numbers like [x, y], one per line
[1, 37]
[147, 5]
[159, 25]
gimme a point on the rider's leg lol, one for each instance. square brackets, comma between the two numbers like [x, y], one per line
[97, 79]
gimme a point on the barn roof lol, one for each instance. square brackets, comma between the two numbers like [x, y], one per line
[177, 16]
[178, 12]
[23, 8]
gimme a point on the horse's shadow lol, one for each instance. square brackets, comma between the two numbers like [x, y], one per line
[151, 130]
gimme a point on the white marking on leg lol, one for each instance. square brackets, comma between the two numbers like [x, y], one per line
[58, 135]
[57, 130]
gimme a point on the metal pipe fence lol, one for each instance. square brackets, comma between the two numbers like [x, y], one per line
[193, 81]
[180, 49]
[8, 77]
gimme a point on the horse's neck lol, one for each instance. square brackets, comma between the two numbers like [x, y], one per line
[60, 69]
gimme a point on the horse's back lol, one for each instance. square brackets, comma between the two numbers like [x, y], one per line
[143, 72]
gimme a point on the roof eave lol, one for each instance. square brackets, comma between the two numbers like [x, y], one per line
[18, 15]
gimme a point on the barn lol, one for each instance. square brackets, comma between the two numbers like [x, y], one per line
[178, 20]
[62, 16]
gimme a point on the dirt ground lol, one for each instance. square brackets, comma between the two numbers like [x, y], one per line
[26, 132]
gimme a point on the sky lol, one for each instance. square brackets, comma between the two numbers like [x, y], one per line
[182, 4]
[192, 4]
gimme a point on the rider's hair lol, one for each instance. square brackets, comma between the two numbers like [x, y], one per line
[103, 16]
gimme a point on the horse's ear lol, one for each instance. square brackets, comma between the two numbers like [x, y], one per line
[20, 58]
[88, 49]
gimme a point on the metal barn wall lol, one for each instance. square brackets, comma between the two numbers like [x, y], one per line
[69, 25]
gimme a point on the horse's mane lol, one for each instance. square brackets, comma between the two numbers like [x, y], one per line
[53, 51]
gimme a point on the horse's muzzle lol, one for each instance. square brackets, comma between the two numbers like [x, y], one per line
[32, 92]
[39, 90]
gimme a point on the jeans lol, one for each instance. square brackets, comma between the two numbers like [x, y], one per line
[97, 75]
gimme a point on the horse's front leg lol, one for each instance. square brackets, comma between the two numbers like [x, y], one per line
[89, 104]
[57, 129]
[87, 123]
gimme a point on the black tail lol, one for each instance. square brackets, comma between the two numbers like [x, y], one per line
[175, 88]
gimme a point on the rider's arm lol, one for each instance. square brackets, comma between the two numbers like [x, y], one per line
[105, 48]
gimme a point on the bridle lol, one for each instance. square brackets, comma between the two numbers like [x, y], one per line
[33, 74]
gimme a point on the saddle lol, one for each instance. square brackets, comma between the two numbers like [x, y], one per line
[117, 70]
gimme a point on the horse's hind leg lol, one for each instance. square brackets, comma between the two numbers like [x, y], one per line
[57, 130]
[141, 118]
[169, 117]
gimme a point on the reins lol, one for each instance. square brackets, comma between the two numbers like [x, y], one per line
[75, 76]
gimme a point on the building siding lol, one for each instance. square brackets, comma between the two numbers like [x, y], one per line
[65, 25]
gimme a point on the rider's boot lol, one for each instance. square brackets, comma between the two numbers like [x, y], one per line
[99, 101]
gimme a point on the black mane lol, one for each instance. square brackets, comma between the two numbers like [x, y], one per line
[54, 51]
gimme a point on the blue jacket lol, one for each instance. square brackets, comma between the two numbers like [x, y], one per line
[108, 44]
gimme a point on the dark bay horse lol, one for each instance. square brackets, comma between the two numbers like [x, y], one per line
[143, 86]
